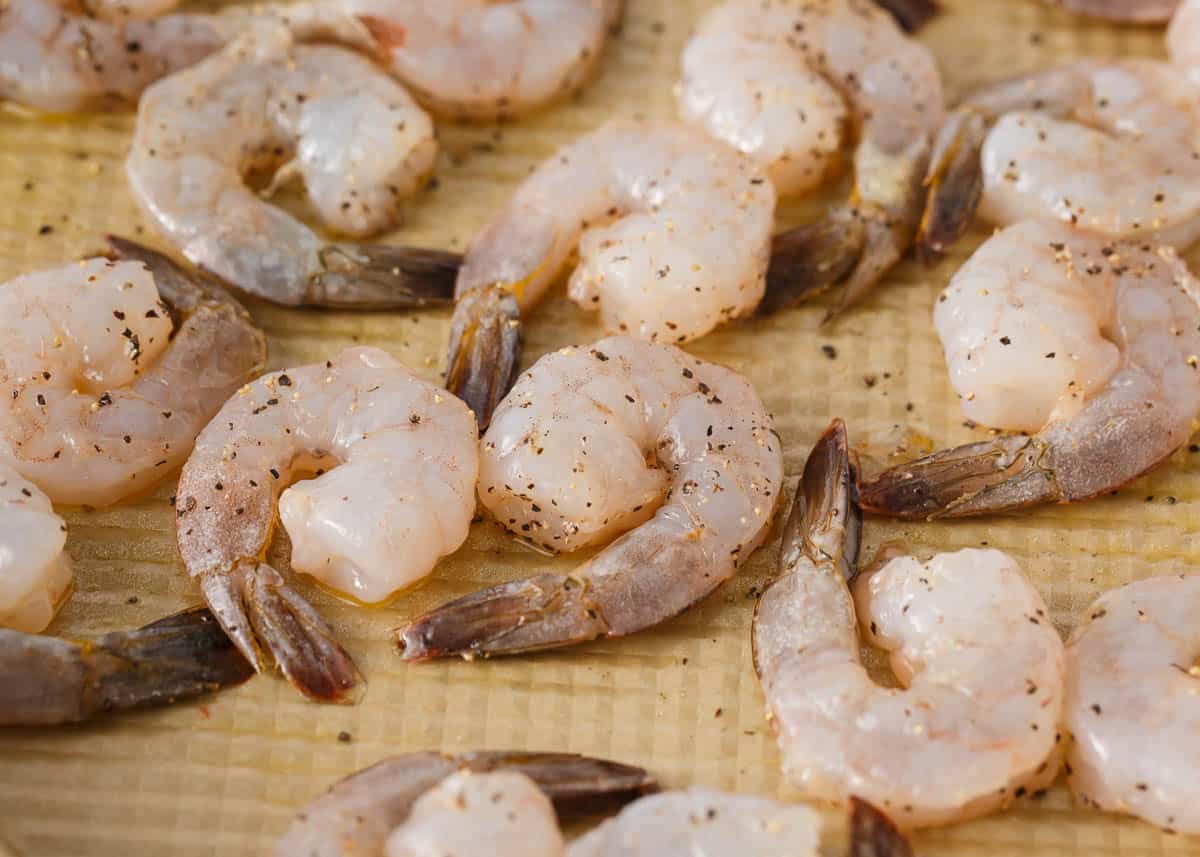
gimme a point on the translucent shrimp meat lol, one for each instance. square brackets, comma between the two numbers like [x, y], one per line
[35, 573]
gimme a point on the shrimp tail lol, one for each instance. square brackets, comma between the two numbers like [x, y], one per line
[954, 182]
[485, 349]
[254, 605]
[540, 612]
[975, 479]
[376, 276]
[884, 244]
[807, 260]
[825, 524]
[49, 680]
[873, 834]
[911, 15]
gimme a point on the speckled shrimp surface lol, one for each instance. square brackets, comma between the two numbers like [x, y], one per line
[1133, 704]
[486, 60]
[397, 458]
[673, 231]
[701, 822]
[785, 81]
[100, 400]
[975, 720]
[326, 114]
[505, 810]
[620, 437]
[1183, 39]
[35, 573]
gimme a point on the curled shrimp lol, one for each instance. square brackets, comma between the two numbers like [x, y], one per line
[357, 815]
[788, 82]
[1133, 11]
[35, 573]
[1183, 39]
[1133, 707]
[470, 59]
[396, 459]
[48, 681]
[980, 665]
[355, 137]
[673, 232]
[623, 436]
[1090, 346]
[1108, 147]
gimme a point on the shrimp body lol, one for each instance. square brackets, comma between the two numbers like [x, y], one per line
[1183, 39]
[1132, 702]
[397, 460]
[626, 437]
[355, 137]
[472, 59]
[35, 573]
[1090, 345]
[673, 232]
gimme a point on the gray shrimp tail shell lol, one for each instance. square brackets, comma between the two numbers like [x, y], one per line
[259, 610]
[379, 277]
[825, 524]
[912, 15]
[484, 354]
[48, 681]
[873, 834]
[954, 183]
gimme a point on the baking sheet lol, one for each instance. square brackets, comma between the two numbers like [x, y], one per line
[223, 776]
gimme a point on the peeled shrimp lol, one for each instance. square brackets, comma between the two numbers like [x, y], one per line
[673, 232]
[1133, 702]
[47, 681]
[979, 663]
[622, 437]
[35, 574]
[486, 60]
[103, 392]
[396, 459]
[1183, 39]
[1135, 11]
[1090, 346]
[788, 82]
[356, 817]
[331, 117]
[1108, 147]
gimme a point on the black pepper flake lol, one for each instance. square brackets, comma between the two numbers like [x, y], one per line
[829, 351]
[1004, 340]
[1096, 708]
[344, 737]
[283, 381]
[45, 229]
[599, 355]
[41, 400]
[118, 315]
[105, 399]
[688, 373]
[274, 472]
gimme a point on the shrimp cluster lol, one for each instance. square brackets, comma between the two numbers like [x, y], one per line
[974, 722]
[790, 83]
[1088, 345]
[675, 457]
[396, 461]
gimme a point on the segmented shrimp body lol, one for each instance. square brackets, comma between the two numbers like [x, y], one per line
[1133, 702]
[1183, 39]
[1089, 345]
[397, 460]
[35, 573]
[1106, 147]
[674, 456]
[673, 232]
[475, 59]
[979, 663]
[352, 134]
[790, 83]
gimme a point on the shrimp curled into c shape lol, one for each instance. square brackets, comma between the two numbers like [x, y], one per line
[623, 435]
[358, 140]
[787, 82]
[397, 459]
[1132, 706]
[1092, 344]
[979, 663]
[673, 231]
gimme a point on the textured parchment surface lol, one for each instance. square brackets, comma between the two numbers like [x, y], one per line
[222, 777]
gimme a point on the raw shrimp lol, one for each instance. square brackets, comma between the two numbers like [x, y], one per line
[396, 458]
[1183, 39]
[1133, 702]
[49, 681]
[356, 816]
[1113, 148]
[35, 573]
[673, 231]
[355, 137]
[625, 437]
[480, 59]
[1135, 11]
[979, 663]
[101, 398]
[788, 82]
[1091, 346]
